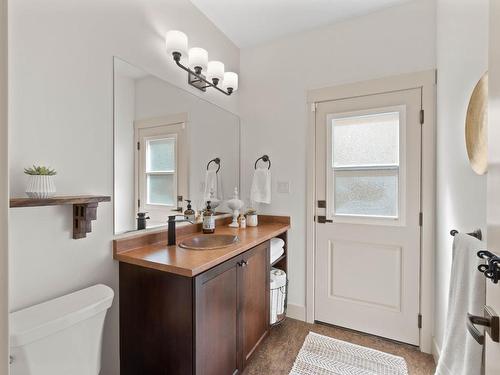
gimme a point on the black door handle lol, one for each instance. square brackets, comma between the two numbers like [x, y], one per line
[490, 321]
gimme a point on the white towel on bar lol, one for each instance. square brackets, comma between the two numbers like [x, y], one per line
[460, 353]
[211, 184]
[261, 186]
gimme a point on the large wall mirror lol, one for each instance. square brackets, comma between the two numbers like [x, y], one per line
[169, 146]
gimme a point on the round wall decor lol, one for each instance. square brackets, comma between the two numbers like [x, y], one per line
[476, 127]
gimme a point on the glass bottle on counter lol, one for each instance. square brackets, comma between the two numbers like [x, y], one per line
[208, 220]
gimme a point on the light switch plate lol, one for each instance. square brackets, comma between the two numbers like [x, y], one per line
[284, 187]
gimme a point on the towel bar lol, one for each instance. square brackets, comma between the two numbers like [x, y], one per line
[477, 233]
[216, 161]
[265, 159]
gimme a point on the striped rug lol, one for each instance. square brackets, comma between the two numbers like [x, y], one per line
[321, 355]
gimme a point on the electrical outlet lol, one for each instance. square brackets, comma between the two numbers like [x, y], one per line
[284, 187]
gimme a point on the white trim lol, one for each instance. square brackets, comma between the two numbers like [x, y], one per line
[296, 311]
[426, 81]
[4, 196]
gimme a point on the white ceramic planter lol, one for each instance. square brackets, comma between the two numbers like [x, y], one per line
[41, 187]
[252, 220]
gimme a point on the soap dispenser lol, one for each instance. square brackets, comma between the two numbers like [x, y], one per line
[208, 220]
[141, 220]
[189, 213]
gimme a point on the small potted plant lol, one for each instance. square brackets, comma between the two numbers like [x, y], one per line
[41, 182]
[252, 218]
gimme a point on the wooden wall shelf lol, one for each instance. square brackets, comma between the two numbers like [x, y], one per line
[84, 209]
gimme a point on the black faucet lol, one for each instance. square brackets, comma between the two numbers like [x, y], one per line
[171, 227]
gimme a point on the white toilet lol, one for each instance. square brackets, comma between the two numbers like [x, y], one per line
[62, 336]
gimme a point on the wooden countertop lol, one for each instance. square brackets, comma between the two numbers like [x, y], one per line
[185, 262]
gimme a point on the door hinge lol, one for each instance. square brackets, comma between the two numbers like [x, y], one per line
[421, 219]
[436, 76]
[422, 117]
[138, 203]
[138, 145]
[323, 220]
[419, 320]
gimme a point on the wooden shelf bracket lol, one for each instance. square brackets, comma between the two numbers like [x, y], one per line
[84, 209]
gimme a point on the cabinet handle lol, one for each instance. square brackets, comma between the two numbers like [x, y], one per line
[243, 263]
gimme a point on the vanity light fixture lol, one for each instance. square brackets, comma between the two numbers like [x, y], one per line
[201, 72]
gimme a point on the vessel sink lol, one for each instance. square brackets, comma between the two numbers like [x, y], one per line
[209, 241]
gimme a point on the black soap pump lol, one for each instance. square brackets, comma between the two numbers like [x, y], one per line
[189, 213]
[141, 220]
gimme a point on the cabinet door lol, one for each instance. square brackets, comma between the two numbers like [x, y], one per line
[254, 299]
[216, 301]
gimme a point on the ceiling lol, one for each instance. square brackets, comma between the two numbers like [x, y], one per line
[252, 22]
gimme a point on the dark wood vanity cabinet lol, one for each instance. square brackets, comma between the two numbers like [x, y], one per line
[209, 324]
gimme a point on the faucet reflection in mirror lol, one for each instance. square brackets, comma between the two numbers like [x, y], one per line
[201, 72]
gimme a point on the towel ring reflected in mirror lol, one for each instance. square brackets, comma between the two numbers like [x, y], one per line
[265, 159]
[215, 161]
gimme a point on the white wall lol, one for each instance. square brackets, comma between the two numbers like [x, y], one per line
[462, 58]
[4, 366]
[61, 106]
[124, 109]
[274, 81]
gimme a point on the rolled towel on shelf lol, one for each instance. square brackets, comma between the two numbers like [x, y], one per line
[276, 254]
[277, 248]
[277, 243]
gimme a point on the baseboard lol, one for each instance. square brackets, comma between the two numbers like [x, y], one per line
[436, 350]
[296, 311]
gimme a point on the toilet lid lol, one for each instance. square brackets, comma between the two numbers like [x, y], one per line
[39, 321]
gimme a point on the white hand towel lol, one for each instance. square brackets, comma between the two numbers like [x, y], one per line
[461, 354]
[261, 186]
[211, 184]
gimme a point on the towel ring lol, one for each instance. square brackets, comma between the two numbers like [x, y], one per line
[265, 159]
[477, 233]
[216, 161]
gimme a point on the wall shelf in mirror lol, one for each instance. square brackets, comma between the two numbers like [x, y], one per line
[84, 209]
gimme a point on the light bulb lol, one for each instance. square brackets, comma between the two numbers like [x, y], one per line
[215, 71]
[176, 42]
[230, 82]
[198, 59]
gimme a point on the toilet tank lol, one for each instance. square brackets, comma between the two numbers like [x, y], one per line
[62, 336]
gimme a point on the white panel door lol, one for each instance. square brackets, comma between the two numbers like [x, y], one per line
[367, 217]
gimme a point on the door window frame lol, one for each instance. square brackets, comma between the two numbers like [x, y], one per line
[398, 220]
[158, 128]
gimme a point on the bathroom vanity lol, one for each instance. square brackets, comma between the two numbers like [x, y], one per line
[186, 311]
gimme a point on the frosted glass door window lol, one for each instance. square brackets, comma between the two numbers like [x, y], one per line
[365, 165]
[161, 171]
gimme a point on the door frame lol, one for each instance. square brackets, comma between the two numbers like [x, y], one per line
[4, 196]
[426, 80]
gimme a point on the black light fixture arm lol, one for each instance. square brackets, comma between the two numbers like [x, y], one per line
[199, 76]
